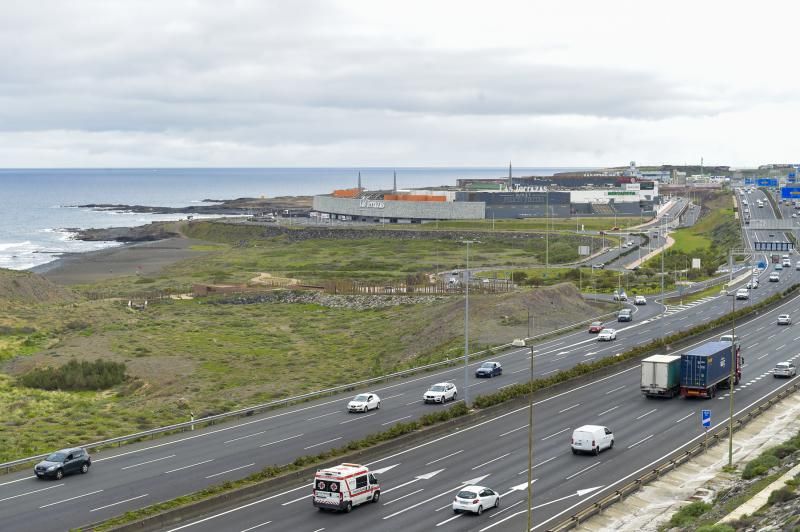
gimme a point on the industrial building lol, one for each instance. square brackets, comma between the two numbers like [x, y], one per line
[511, 198]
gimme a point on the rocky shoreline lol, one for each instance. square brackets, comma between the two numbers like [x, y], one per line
[215, 206]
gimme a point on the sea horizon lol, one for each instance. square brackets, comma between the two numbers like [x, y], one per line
[39, 204]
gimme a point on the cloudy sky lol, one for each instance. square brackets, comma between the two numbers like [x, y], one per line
[134, 83]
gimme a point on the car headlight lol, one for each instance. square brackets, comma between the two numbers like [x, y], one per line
[51, 468]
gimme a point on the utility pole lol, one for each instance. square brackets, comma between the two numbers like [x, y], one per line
[530, 443]
[734, 357]
[547, 230]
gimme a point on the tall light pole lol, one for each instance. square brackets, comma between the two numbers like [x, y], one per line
[530, 443]
[547, 230]
[466, 326]
[734, 359]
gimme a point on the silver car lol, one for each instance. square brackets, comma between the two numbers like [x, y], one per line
[475, 499]
[784, 319]
[784, 369]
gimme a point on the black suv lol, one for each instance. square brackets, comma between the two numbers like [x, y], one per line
[64, 462]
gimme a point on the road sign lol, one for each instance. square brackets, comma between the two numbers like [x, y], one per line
[790, 193]
[762, 265]
[705, 418]
[772, 246]
[766, 182]
[749, 181]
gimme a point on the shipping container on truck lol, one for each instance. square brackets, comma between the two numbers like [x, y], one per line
[661, 375]
[708, 367]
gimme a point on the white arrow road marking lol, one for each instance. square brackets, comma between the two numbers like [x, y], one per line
[426, 476]
[384, 469]
[579, 493]
[465, 483]
[518, 487]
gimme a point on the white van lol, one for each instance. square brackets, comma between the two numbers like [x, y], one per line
[591, 439]
[344, 486]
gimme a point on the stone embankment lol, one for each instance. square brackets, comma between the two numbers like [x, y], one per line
[351, 302]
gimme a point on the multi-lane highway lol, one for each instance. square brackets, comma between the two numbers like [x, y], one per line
[148, 472]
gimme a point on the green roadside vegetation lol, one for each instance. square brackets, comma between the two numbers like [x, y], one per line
[758, 473]
[589, 280]
[694, 296]
[710, 239]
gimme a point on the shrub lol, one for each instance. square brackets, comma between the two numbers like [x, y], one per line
[760, 465]
[74, 375]
[716, 528]
[689, 514]
[781, 495]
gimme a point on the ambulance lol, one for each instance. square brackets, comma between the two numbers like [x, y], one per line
[344, 486]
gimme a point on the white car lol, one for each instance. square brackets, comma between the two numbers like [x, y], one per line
[639, 300]
[620, 296]
[743, 293]
[784, 369]
[752, 284]
[441, 392]
[606, 335]
[774, 277]
[784, 319]
[364, 402]
[475, 499]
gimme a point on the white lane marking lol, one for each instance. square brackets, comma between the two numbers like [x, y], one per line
[443, 457]
[537, 465]
[18, 480]
[412, 403]
[70, 499]
[762, 356]
[322, 415]
[556, 434]
[521, 370]
[590, 353]
[280, 441]
[147, 462]
[30, 492]
[392, 396]
[188, 466]
[260, 525]
[321, 443]
[506, 385]
[319, 530]
[507, 508]
[245, 437]
[116, 503]
[403, 497]
[615, 389]
[230, 470]
[685, 417]
[395, 420]
[549, 372]
[647, 413]
[525, 426]
[356, 418]
[226, 512]
[582, 471]
[607, 411]
[752, 346]
[569, 408]
[490, 461]
[760, 328]
[303, 498]
[449, 519]
[640, 441]
[781, 347]
[771, 337]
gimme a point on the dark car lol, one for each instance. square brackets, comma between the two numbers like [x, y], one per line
[489, 369]
[63, 462]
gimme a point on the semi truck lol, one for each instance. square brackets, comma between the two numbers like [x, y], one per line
[661, 375]
[708, 367]
[696, 373]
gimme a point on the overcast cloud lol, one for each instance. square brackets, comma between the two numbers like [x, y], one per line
[412, 83]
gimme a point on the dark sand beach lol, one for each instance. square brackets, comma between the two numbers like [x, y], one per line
[127, 259]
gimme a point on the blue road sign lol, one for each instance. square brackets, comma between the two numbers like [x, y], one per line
[762, 265]
[749, 181]
[705, 417]
[766, 182]
[790, 192]
[792, 174]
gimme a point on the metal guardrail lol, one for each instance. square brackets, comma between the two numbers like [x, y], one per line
[670, 464]
[255, 409]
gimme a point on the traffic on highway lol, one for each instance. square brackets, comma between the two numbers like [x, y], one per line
[589, 438]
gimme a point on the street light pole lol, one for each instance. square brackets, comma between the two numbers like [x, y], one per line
[530, 444]
[466, 327]
[547, 230]
[734, 357]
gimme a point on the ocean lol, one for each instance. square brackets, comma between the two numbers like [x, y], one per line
[38, 207]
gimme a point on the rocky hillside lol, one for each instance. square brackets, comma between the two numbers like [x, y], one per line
[26, 287]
